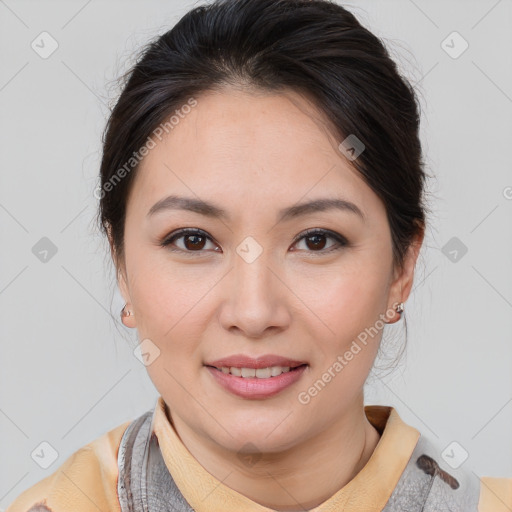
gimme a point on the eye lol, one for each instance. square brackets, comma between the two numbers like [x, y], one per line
[194, 240]
[314, 240]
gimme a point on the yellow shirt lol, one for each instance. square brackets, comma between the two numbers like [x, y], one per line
[87, 480]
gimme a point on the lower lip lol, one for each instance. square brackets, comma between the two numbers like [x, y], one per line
[254, 388]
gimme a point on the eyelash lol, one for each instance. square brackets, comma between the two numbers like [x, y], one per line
[340, 240]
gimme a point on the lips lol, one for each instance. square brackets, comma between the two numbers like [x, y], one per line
[256, 388]
[264, 361]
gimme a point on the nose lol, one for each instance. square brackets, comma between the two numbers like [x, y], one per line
[255, 302]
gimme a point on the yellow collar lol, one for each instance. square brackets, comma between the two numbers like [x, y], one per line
[368, 491]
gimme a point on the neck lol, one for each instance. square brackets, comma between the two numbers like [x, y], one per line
[299, 478]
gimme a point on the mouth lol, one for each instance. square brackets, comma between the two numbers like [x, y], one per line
[257, 383]
[268, 372]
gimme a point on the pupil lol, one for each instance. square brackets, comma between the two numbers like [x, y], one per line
[316, 243]
[195, 243]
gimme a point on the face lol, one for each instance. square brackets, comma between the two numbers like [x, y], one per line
[250, 276]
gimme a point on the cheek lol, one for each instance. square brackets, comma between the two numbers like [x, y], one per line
[174, 310]
[348, 302]
[170, 311]
[167, 296]
[349, 307]
[347, 299]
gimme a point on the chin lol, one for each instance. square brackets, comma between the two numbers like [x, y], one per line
[267, 436]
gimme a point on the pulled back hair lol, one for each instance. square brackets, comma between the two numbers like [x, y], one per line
[314, 47]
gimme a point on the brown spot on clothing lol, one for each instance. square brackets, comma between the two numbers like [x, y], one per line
[431, 467]
[39, 507]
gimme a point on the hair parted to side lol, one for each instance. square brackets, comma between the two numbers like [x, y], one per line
[314, 47]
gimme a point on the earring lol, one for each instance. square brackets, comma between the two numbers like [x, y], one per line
[127, 317]
[399, 308]
[125, 313]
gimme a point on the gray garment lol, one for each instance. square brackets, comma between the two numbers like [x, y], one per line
[426, 485]
[429, 485]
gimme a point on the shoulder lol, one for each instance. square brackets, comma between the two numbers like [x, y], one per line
[495, 494]
[86, 480]
[433, 481]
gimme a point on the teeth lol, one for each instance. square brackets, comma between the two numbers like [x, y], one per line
[260, 373]
[247, 372]
[263, 373]
[275, 370]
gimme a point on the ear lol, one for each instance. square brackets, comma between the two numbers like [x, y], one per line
[402, 284]
[122, 281]
[128, 321]
[123, 285]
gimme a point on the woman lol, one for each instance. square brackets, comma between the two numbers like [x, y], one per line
[262, 192]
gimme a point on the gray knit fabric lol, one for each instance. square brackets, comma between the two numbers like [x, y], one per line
[426, 485]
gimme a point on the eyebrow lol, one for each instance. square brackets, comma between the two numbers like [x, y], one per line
[208, 209]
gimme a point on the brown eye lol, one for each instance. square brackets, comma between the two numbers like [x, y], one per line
[315, 240]
[193, 240]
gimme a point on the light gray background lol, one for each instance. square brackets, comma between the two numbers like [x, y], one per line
[68, 373]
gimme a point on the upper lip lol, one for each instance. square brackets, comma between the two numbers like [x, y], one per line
[264, 361]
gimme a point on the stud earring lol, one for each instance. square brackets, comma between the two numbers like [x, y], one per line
[399, 308]
[125, 312]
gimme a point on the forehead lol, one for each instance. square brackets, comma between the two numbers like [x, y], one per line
[273, 147]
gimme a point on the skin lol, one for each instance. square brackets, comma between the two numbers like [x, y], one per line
[253, 154]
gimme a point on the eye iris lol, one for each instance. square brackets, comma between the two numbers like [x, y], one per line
[316, 243]
[195, 243]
